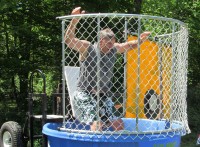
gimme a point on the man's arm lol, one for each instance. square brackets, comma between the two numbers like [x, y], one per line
[126, 46]
[70, 38]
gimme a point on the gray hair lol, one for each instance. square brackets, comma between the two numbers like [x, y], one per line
[107, 33]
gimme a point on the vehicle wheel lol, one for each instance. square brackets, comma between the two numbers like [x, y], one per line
[11, 135]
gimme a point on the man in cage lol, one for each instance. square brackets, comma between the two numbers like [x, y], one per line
[93, 84]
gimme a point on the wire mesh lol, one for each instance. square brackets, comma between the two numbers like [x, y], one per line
[148, 82]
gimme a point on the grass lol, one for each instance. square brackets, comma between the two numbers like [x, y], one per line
[189, 140]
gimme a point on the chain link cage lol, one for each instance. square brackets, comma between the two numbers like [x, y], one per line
[148, 84]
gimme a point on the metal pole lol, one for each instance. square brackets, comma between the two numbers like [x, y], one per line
[160, 59]
[98, 70]
[63, 68]
[138, 77]
[125, 67]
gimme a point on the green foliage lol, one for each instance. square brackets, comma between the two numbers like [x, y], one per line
[189, 140]
[51, 83]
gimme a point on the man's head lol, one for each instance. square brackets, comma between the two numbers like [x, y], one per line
[107, 40]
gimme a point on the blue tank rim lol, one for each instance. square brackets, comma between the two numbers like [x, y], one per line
[51, 129]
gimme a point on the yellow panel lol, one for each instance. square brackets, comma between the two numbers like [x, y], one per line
[147, 78]
[167, 64]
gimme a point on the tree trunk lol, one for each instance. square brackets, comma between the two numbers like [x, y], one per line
[137, 6]
[23, 94]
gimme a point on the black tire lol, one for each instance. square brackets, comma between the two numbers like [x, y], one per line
[11, 135]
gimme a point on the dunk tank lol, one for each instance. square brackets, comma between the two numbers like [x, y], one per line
[149, 83]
